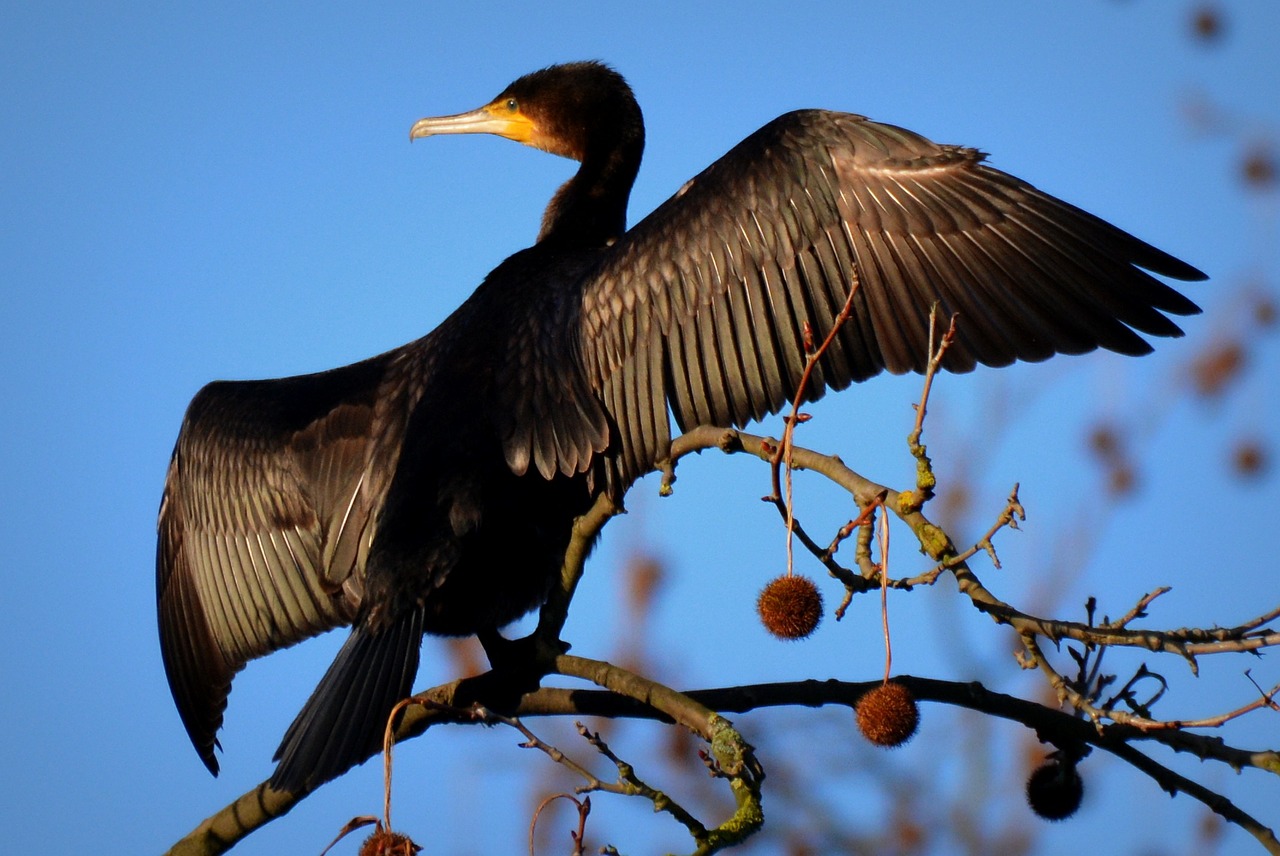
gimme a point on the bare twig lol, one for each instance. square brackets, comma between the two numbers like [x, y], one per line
[782, 454]
[884, 595]
[631, 784]
[937, 349]
[1140, 608]
[584, 808]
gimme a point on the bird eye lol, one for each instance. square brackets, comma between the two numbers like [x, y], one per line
[512, 106]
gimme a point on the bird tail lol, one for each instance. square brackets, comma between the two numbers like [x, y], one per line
[342, 724]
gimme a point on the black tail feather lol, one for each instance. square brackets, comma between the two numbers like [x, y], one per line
[341, 725]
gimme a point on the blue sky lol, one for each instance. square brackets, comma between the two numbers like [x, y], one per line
[192, 194]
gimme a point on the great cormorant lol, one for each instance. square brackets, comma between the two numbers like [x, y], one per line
[432, 489]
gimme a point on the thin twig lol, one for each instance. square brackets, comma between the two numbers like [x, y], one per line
[936, 353]
[584, 808]
[884, 595]
[782, 455]
[630, 783]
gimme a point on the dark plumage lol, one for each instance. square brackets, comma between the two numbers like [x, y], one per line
[433, 488]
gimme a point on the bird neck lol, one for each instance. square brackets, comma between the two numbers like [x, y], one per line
[590, 209]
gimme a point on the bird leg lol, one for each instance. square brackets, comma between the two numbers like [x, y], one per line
[517, 667]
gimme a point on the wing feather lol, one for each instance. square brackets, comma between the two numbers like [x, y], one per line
[268, 510]
[728, 271]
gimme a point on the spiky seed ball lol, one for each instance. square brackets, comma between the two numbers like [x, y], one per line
[888, 715]
[384, 842]
[1054, 790]
[790, 607]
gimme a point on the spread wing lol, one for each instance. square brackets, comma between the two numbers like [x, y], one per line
[268, 512]
[702, 305]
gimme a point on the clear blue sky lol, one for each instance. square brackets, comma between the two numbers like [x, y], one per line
[194, 192]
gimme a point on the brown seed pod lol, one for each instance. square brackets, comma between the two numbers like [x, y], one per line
[790, 607]
[888, 715]
[1054, 790]
[383, 842]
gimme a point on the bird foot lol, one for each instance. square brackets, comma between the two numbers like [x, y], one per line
[517, 668]
[532, 655]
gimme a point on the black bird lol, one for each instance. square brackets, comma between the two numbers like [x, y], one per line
[432, 489]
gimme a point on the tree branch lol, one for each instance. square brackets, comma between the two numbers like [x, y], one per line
[628, 694]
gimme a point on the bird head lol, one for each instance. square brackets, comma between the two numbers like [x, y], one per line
[571, 110]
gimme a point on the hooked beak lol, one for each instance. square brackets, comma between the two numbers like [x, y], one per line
[490, 119]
